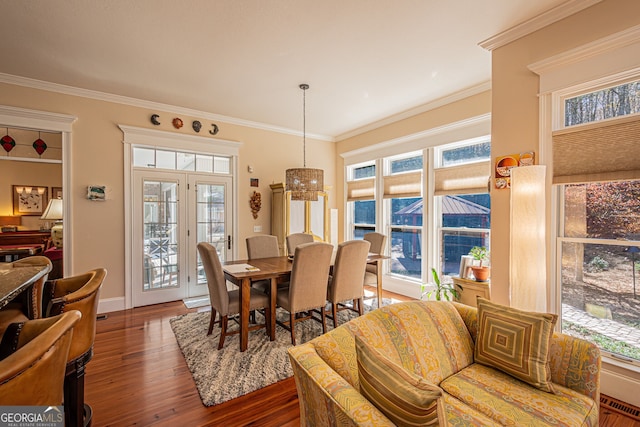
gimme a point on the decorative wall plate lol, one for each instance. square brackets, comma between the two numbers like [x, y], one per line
[177, 123]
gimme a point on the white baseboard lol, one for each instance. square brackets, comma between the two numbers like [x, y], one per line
[108, 305]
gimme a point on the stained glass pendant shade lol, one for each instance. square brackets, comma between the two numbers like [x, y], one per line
[39, 145]
[304, 183]
[7, 142]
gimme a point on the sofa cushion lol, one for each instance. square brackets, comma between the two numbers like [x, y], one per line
[405, 398]
[512, 402]
[516, 342]
[459, 414]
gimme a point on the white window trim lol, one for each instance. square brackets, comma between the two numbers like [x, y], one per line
[592, 65]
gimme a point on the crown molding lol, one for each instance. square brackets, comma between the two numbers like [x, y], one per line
[151, 105]
[457, 96]
[29, 119]
[534, 24]
[606, 44]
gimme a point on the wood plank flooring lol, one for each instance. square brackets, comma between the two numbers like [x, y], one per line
[138, 377]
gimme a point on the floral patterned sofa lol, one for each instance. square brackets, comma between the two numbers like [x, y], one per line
[433, 343]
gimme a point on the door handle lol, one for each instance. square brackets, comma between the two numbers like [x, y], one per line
[229, 242]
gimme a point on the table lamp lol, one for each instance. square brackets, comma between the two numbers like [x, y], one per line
[54, 212]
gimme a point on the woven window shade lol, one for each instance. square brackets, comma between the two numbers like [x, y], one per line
[464, 179]
[362, 189]
[403, 185]
[600, 152]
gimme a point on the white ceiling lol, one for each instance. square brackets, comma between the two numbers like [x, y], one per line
[365, 60]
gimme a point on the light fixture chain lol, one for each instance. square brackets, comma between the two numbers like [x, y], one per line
[304, 124]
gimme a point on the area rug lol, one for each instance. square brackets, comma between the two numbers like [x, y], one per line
[222, 375]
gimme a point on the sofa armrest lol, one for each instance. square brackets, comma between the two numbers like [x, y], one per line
[575, 363]
[327, 399]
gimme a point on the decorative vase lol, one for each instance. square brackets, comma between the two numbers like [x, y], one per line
[481, 273]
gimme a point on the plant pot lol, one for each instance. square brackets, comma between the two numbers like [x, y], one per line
[481, 273]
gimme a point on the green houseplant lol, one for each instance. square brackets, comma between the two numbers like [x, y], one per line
[481, 254]
[441, 291]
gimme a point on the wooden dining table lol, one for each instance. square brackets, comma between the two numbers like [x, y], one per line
[241, 273]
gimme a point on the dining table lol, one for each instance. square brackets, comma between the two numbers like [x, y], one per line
[15, 277]
[242, 272]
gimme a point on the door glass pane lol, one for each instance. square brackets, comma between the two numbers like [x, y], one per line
[144, 157]
[160, 225]
[210, 217]
[186, 161]
[221, 164]
[204, 163]
[165, 159]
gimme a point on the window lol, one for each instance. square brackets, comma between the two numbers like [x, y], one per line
[620, 100]
[404, 207]
[600, 265]
[361, 198]
[178, 160]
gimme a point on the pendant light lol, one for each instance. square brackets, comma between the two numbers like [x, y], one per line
[304, 183]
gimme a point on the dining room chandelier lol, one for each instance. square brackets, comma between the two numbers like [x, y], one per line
[304, 183]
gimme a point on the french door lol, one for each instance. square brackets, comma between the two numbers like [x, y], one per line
[173, 211]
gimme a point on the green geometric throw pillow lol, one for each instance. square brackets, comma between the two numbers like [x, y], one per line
[405, 398]
[515, 342]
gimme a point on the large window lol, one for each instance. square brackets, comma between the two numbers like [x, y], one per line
[361, 198]
[600, 265]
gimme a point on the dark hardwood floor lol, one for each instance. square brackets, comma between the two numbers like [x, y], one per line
[138, 377]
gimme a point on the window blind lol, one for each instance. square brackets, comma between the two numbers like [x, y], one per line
[403, 185]
[464, 179]
[362, 189]
[605, 151]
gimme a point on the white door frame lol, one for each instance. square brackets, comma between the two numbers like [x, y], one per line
[162, 139]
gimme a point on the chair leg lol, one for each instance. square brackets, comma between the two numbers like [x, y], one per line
[359, 306]
[223, 332]
[334, 306]
[292, 323]
[324, 320]
[212, 321]
[74, 406]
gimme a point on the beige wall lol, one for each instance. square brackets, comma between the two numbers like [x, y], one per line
[515, 117]
[97, 159]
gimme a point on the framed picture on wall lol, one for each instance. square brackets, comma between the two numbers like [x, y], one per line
[29, 199]
[56, 192]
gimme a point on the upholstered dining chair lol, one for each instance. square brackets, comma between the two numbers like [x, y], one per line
[345, 282]
[378, 241]
[308, 285]
[33, 356]
[224, 301]
[295, 239]
[263, 246]
[80, 292]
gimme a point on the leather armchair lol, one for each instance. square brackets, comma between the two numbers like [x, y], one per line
[33, 356]
[81, 293]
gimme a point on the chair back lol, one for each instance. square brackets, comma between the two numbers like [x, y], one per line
[377, 241]
[295, 239]
[348, 271]
[263, 246]
[218, 294]
[80, 293]
[310, 276]
[34, 358]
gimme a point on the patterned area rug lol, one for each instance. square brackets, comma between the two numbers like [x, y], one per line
[222, 375]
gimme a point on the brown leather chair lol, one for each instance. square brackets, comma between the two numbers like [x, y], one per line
[227, 302]
[33, 356]
[308, 285]
[80, 293]
[347, 276]
[295, 239]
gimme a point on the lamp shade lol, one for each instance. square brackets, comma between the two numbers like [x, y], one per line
[304, 183]
[53, 210]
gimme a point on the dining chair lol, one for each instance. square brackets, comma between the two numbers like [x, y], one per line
[80, 292]
[308, 285]
[263, 246]
[224, 301]
[345, 282]
[33, 356]
[295, 239]
[378, 241]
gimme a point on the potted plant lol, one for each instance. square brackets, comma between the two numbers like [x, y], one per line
[441, 291]
[481, 254]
